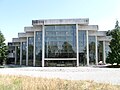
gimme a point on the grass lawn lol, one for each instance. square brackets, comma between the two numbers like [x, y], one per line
[8, 82]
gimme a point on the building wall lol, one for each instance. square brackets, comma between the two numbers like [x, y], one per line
[62, 43]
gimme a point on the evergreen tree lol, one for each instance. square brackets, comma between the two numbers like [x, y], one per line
[3, 49]
[114, 54]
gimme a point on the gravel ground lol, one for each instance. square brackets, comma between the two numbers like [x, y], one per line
[102, 75]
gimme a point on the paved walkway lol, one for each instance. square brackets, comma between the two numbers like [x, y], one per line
[104, 75]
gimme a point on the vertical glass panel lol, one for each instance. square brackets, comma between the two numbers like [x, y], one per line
[11, 54]
[30, 50]
[18, 55]
[82, 47]
[100, 51]
[92, 50]
[38, 48]
[23, 53]
[60, 41]
[107, 48]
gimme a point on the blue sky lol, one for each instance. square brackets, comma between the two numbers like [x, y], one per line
[16, 14]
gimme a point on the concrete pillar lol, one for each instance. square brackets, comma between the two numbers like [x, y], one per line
[87, 48]
[43, 45]
[15, 54]
[20, 53]
[104, 55]
[34, 49]
[96, 50]
[77, 46]
[27, 52]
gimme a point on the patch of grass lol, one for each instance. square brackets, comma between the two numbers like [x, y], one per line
[8, 82]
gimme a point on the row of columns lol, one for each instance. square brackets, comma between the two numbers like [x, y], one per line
[77, 47]
[96, 48]
[27, 52]
[34, 49]
[43, 45]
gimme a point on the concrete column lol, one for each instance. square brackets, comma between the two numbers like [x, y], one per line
[96, 50]
[104, 55]
[87, 48]
[20, 53]
[34, 49]
[77, 46]
[43, 45]
[15, 54]
[27, 52]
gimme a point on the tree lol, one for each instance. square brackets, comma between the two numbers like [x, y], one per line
[3, 49]
[114, 54]
[67, 50]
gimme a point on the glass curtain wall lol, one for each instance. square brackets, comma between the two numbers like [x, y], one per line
[91, 50]
[38, 48]
[60, 41]
[11, 54]
[30, 50]
[82, 47]
[61, 63]
[107, 49]
[23, 53]
[18, 55]
[100, 51]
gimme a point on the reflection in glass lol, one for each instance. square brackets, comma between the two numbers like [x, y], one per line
[18, 55]
[23, 53]
[60, 63]
[100, 51]
[38, 48]
[60, 41]
[107, 48]
[82, 47]
[30, 50]
[92, 50]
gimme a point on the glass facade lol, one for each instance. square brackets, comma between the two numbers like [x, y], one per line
[92, 50]
[59, 45]
[38, 48]
[23, 53]
[60, 63]
[18, 55]
[100, 51]
[107, 48]
[60, 41]
[82, 47]
[30, 50]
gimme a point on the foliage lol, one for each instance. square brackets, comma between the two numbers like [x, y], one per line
[66, 51]
[3, 49]
[66, 47]
[114, 54]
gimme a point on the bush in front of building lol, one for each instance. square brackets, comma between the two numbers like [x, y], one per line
[114, 54]
[3, 49]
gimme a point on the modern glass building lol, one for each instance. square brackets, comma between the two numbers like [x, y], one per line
[61, 42]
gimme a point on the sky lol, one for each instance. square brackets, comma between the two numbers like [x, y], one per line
[16, 14]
